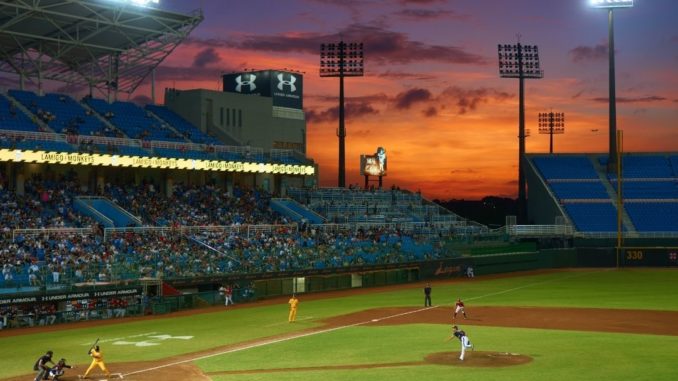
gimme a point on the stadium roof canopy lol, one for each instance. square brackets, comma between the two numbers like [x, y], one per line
[104, 44]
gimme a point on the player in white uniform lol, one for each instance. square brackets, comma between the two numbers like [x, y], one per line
[465, 341]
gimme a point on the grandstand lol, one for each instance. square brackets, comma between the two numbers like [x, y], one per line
[579, 189]
[116, 192]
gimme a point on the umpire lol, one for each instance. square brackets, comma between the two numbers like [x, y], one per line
[427, 295]
[41, 366]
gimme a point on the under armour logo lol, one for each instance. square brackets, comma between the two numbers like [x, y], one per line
[248, 82]
[290, 83]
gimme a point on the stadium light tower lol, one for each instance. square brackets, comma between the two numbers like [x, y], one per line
[551, 123]
[520, 61]
[341, 60]
[611, 5]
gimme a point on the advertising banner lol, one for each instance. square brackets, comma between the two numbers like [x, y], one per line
[151, 162]
[286, 88]
[68, 296]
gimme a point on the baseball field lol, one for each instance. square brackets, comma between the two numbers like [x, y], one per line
[598, 324]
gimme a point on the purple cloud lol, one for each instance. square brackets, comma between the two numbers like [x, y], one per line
[205, 57]
[468, 99]
[429, 14]
[430, 112]
[589, 53]
[352, 110]
[381, 45]
[405, 100]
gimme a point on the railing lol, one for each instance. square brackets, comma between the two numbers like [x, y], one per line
[249, 230]
[626, 234]
[15, 232]
[539, 230]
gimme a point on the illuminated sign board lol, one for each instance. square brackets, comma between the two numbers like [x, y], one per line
[374, 165]
[611, 3]
[20, 156]
[286, 88]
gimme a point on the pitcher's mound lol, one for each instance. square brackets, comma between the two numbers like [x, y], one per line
[478, 359]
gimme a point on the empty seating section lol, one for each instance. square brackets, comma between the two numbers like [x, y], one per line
[134, 121]
[649, 189]
[649, 166]
[11, 118]
[653, 216]
[579, 190]
[673, 161]
[565, 167]
[593, 217]
[182, 125]
[62, 114]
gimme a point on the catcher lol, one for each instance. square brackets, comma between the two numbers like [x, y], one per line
[97, 360]
[58, 370]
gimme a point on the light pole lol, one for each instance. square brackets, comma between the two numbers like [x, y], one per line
[520, 61]
[341, 60]
[610, 5]
[551, 123]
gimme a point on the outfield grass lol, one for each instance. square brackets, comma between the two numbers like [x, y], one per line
[558, 354]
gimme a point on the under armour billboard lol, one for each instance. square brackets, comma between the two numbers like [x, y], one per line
[285, 88]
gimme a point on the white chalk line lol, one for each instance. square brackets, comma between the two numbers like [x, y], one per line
[313, 333]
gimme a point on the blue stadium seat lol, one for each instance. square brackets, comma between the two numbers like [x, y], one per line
[649, 189]
[579, 190]
[182, 125]
[565, 167]
[653, 217]
[643, 166]
[12, 118]
[593, 217]
[69, 115]
[134, 121]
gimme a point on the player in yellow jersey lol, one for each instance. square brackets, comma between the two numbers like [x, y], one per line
[97, 360]
[294, 303]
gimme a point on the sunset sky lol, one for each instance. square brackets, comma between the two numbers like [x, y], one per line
[432, 95]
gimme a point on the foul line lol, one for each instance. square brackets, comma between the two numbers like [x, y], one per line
[313, 333]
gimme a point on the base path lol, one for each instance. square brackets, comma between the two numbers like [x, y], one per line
[574, 319]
